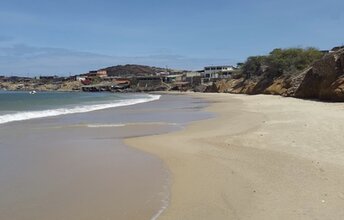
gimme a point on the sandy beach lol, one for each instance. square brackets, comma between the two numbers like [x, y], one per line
[76, 167]
[261, 157]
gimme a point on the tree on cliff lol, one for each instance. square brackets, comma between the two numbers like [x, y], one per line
[281, 61]
[253, 65]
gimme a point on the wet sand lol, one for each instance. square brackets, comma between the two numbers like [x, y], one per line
[262, 157]
[75, 167]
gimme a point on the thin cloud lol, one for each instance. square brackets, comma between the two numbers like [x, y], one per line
[4, 38]
[21, 59]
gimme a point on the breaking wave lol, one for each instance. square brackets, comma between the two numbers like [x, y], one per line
[21, 116]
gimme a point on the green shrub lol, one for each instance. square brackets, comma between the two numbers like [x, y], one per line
[281, 61]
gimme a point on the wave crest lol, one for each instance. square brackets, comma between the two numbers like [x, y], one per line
[22, 116]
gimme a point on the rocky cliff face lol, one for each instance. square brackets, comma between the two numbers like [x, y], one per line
[323, 80]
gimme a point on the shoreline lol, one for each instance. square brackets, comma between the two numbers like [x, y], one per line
[85, 165]
[261, 157]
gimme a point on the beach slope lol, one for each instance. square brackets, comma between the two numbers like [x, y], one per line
[261, 157]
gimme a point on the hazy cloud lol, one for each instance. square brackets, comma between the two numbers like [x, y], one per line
[21, 59]
[18, 18]
[28, 60]
[4, 38]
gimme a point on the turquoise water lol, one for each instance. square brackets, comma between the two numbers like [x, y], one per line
[18, 106]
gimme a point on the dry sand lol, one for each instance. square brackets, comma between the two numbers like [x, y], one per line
[262, 157]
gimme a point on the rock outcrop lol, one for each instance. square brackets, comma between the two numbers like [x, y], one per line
[65, 86]
[325, 79]
[322, 80]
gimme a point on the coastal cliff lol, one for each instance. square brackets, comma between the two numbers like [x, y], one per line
[293, 72]
[322, 79]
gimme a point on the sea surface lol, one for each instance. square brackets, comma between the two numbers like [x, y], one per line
[19, 106]
[62, 156]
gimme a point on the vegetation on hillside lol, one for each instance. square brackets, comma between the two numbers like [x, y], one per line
[132, 70]
[281, 61]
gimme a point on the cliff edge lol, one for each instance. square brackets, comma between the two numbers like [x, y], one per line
[323, 79]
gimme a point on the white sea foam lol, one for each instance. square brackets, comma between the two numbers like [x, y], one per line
[165, 199]
[104, 125]
[126, 124]
[21, 116]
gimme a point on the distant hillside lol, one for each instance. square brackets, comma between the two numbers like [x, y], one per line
[132, 70]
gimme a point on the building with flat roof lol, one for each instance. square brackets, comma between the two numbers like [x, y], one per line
[217, 72]
[146, 81]
[102, 73]
[172, 78]
[214, 69]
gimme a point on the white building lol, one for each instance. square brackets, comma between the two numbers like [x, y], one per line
[163, 73]
[80, 78]
[217, 72]
[192, 74]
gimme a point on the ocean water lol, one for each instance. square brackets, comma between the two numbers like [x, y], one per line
[62, 155]
[19, 106]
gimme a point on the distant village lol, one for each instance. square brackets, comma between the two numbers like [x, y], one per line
[123, 79]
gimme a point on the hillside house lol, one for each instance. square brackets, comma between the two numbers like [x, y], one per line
[102, 74]
[172, 78]
[212, 73]
[146, 81]
[193, 78]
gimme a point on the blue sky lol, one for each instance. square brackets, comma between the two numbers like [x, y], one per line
[70, 37]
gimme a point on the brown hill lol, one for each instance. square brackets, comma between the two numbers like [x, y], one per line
[132, 70]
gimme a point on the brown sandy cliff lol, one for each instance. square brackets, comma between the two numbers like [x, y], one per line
[323, 80]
